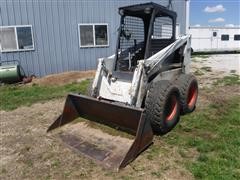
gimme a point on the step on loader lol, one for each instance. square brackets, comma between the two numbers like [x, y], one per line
[142, 89]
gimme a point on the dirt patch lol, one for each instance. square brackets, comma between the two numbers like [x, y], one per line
[63, 78]
[218, 96]
[211, 69]
[23, 138]
[28, 152]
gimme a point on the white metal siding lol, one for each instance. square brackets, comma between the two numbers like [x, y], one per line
[203, 40]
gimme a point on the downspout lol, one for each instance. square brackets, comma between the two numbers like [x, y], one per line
[187, 14]
[170, 7]
[118, 42]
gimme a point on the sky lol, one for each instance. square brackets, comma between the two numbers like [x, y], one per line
[215, 13]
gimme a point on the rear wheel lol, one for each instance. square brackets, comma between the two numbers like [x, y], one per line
[188, 87]
[162, 106]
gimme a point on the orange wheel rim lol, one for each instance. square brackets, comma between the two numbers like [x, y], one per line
[172, 108]
[192, 96]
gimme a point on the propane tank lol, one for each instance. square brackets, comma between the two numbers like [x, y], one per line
[11, 73]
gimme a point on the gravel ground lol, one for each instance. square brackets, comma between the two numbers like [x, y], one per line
[209, 69]
[221, 63]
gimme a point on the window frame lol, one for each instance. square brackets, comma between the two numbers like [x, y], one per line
[234, 37]
[225, 35]
[94, 35]
[16, 39]
[172, 28]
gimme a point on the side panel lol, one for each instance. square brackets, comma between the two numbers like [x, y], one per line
[203, 39]
[168, 75]
[118, 90]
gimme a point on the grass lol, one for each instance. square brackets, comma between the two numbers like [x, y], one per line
[202, 56]
[198, 72]
[206, 68]
[11, 96]
[156, 174]
[214, 133]
[229, 80]
[202, 70]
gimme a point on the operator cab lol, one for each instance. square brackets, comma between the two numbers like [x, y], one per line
[145, 29]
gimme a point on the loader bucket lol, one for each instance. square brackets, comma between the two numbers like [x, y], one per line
[110, 151]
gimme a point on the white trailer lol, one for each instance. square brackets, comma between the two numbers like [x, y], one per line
[215, 39]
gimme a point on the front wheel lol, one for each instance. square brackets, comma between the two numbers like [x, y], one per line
[163, 106]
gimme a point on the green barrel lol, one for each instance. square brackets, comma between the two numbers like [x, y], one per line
[10, 73]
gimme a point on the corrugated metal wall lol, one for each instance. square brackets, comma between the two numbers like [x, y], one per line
[55, 31]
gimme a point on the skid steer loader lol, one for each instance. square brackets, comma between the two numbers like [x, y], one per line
[142, 89]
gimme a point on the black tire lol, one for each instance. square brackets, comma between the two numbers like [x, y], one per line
[162, 106]
[188, 86]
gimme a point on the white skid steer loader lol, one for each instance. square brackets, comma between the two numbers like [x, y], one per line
[142, 89]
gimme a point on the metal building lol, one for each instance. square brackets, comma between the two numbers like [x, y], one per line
[51, 36]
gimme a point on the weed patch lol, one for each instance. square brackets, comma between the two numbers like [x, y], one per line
[206, 68]
[156, 174]
[198, 72]
[233, 71]
[233, 79]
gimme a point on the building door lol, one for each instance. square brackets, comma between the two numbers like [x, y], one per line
[214, 39]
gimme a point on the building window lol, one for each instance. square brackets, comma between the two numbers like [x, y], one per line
[236, 37]
[86, 35]
[93, 35]
[16, 38]
[101, 37]
[214, 34]
[225, 37]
